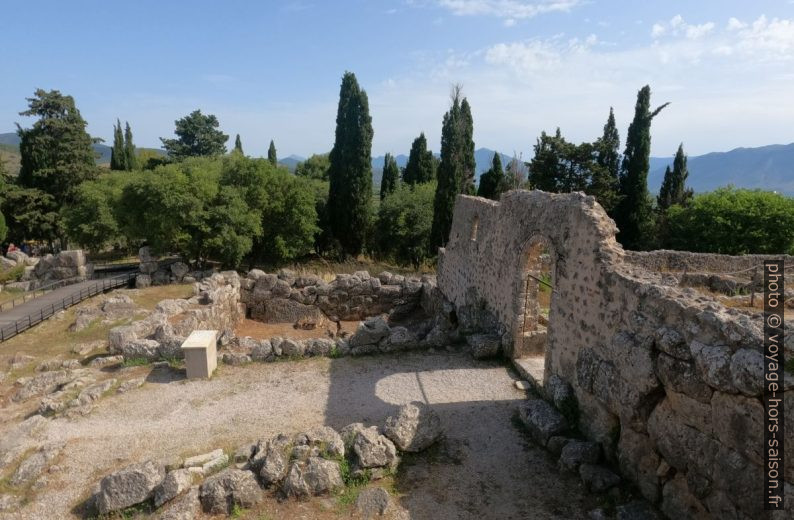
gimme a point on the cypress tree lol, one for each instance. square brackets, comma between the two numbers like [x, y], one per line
[420, 167]
[271, 153]
[350, 171]
[606, 178]
[679, 193]
[238, 145]
[664, 200]
[129, 149]
[469, 162]
[493, 182]
[633, 214]
[451, 171]
[391, 176]
[118, 159]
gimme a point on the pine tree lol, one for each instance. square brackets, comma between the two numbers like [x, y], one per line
[469, 162]
[118, 158]
[271, 153]
[198, 135]
[633, 214]
[129, 149]
[493, 182]
[420, 167]
[350, 172]
[680, 194]
[238, 145]
[605, 181]
[455, 168]
[391, 176]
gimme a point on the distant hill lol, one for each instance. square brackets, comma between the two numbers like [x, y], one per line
[767, 167]
[483, 157]
[291, 162]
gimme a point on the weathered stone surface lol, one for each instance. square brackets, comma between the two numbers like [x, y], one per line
[691, 411]
[637, 510]
[679, 444]
[262, 351]
[200, 460]
[576, 453]
[30, 469]
[373, 450]
[272, 460]
[671, 342]
[293, 348]
[484, 345]
[739, 424]
[747, 371]
[714, 365]
[640, 463]
[415, 427]
[370, 332]
[678, 502]
[560, 392]
[221, 492]
[323, 437]
[141, 349]
[129, 486]
[373, 502]
[597, 478]
[542, 420]
[174, 483]
[185, 507]
[682, 377]
[322, 476]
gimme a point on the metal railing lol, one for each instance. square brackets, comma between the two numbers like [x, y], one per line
[35, 293]
[12, 329]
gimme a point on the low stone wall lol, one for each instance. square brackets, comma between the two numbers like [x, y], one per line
[155, 273]
[667, 260]
[286, 297]
[215, 305]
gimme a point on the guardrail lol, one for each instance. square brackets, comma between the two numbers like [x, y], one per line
[35, 293]
[35, 317]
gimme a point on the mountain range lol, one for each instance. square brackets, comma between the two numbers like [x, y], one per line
[769, 167]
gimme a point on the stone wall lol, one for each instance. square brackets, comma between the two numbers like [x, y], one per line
[215, 305]
[155, 272]
[286, 297]
[666, 380]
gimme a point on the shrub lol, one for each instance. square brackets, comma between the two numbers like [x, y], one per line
[403, 224]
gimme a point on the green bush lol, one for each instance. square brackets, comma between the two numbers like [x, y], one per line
[91, 220]
[3, 228]
[403, 224]
[734, 221]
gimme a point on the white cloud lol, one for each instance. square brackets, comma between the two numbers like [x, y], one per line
[698, 31]
[510, 22]
[513, 9]
[734, 24]
[678, 26]
[657, 30]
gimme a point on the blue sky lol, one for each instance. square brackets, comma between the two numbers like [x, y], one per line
[272, 69]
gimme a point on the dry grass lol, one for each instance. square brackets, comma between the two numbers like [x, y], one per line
[148, 298]
[327, 270]
[9, 294]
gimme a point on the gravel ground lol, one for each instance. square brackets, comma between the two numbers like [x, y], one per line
[483, 469]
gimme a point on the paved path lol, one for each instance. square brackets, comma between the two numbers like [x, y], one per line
[41, 307]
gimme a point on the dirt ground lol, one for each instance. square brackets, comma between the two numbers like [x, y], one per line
[483, 469]
[259, 330]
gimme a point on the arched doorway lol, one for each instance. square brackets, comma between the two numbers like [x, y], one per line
[533, 306]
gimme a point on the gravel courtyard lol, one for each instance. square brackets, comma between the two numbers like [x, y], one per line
[484, 468]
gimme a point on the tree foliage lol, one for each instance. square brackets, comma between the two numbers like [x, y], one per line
[122, 153]
[391, 176]
[674, 190]
[238, 145]
[493, 182]
[315, 167]
[129, 148]
[404, 220]
[197, 135]
[271, 153]
[734, 221]
[634, 215]
[456, 170]
[350, 172]
[91, 220]
[56, 156]
[605, 181]
[421, 164]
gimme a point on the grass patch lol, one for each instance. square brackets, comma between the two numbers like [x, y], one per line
[148, 298]
[13, 274]
[135, 362]
[9, 294]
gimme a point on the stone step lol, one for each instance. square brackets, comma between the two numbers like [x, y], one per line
[531, 368]
[533, 344]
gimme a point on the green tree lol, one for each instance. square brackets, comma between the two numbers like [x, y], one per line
[633, 214]
[129, 148]
[674, 190]
[91, 220]
[315, 167]
[3, 228]
[271, 153]
[493, 182]
[404, 221]
[734, 221]
[31, 214]
[56, 157]
[469, 162]
[118, 156]
[238, 145]
[421, 164]
[391, 176]
[197, 135]
[350, 173]
[605, 181]
[455, 167]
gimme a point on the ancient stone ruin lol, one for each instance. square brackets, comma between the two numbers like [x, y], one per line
[664, 378]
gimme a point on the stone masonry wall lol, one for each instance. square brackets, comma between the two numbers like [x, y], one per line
[667, 380]
[286, 297]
